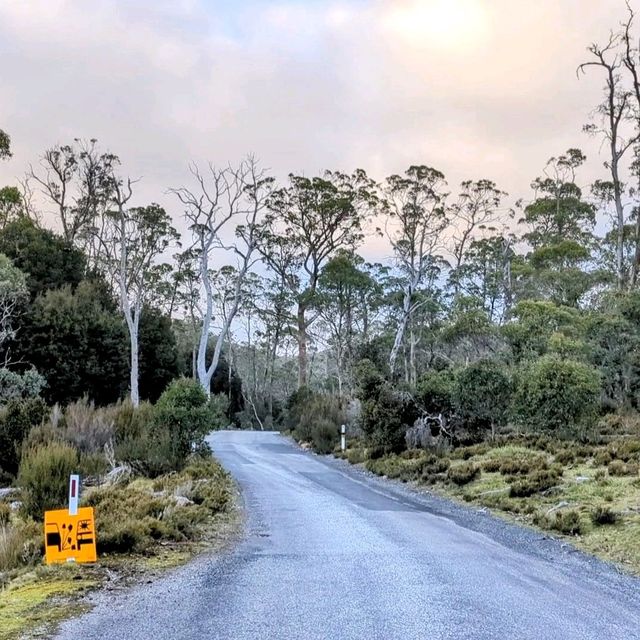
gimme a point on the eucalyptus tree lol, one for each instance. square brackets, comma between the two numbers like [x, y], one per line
[5, 145]
[222, 195]
[560, 233]
[414, 204]
[477, 209]
[343, 297]
[486, 274]
[78, 180]
[611, 124]
[315, 217]
[129, 242]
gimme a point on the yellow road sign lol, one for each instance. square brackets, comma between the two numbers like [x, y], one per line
[70, 538]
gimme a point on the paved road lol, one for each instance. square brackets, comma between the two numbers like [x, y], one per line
[331, 554]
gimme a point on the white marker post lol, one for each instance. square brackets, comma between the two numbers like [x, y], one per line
[343, 437]
[74, 494]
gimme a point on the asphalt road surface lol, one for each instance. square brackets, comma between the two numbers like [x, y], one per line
[330, 553]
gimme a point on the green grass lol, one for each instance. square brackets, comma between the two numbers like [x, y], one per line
[571, 486]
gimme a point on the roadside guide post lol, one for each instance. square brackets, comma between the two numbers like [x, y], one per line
[343, 437]
[74, 490]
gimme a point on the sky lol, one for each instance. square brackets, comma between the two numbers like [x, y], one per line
[474, 88]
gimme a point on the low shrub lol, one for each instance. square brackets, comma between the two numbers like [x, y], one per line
[566, 522]
[20, 545]
[133, 517]
[626, 450]
[492, 465]
[463, 473]
[619, 468]
[43, 477]
[17, 418]
[356, 456]
[565, 456]
[602, 457]
[5, 513]
[603, 515]
[536, 482]
[87, 427]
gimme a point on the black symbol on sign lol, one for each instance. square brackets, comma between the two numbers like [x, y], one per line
[66, 539]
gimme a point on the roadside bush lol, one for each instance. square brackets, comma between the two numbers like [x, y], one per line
[463, 473]
[19, 545]
[324, 435]
[566, 522]
[435, 391]
[603, 515]
[152, 454]
[17, 418]
[319, 417]
[536, 482]
[182, 417]
[129, 422]
[619, 468]
[297, 402]
[384, 419]
[482, 395]
[43, 477]
[87, 427]
[556, 395]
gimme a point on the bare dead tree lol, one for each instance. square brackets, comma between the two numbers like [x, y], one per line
[612, 115]
[223, 195]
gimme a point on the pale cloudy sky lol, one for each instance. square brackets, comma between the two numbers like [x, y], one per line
[476, 88]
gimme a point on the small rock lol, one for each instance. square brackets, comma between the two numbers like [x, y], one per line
[7, 491]
[181, 501]
[581, 479]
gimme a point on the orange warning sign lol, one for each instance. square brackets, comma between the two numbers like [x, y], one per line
[70, 538]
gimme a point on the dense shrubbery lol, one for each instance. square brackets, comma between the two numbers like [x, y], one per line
[315, 418]
[387, 412]
[557, 395]
[17, 418]
[44, 477]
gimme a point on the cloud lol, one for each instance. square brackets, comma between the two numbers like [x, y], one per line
[477, 88]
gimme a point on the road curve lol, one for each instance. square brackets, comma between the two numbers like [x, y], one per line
[330, 554]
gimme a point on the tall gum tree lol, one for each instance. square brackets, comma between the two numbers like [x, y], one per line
[414, 204]
[317, 216]
[130, 241]
[233, 193]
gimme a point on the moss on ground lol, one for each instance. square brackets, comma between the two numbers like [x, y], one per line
[42, 598]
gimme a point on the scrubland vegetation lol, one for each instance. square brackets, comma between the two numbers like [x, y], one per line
[148, 474]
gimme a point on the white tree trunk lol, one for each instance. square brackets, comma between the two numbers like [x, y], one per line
[402, 327]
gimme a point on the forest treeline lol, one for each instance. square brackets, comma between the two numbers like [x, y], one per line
[488, 310]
